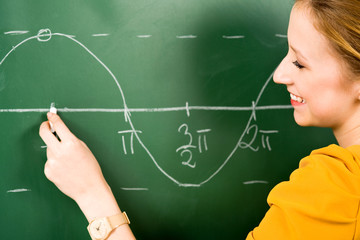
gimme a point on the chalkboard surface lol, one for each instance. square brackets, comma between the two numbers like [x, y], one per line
[175, 99]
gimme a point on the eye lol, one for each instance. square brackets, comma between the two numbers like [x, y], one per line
[298, 65]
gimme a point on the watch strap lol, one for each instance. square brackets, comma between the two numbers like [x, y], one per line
[118, 220]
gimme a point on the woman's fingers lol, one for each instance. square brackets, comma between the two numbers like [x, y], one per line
[47, 136]
[60, 128]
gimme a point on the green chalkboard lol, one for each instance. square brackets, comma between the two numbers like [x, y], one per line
[174, 98]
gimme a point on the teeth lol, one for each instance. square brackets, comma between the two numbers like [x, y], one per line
[296, 98]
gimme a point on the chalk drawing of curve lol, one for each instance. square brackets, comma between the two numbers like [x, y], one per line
[46, 34]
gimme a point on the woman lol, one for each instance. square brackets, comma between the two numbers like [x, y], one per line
[322, 74]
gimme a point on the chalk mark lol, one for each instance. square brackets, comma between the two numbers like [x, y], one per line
[255, 182]
[237, 146]
[233, 37]
[281, 35]
[100, 35]
[15, 32]
[127, 113]
[186, 36]
[135, 189]
[131, 140]
[186, 108]
[203, 131]
[18, 190]
[144, 36]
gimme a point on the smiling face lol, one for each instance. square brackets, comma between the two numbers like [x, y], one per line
[320, 91]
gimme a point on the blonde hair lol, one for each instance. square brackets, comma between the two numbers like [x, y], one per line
[339, 22]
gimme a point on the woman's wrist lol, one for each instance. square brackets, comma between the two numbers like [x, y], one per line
[99, 202]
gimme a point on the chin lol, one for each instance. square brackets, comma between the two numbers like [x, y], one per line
[306, 123]
[303, 122]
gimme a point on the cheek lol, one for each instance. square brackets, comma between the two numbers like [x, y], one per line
[329, 106]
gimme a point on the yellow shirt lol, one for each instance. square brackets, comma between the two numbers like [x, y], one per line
[321, 200]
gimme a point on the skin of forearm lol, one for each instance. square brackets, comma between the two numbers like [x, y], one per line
[102, 203]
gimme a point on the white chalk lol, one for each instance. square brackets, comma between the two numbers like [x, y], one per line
[52, 110]
[19, 190]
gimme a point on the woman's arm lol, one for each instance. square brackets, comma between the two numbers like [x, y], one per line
[74, 170]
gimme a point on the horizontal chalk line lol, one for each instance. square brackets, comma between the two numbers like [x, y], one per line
[186, 36]
[255, 182]
[15, 32]
[233, 37]
[280, 35]
[135, 189]
[144, 36]
[19, 190]
[100, 34]
[170, 109]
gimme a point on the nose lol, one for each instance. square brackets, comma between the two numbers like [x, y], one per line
[282, 73]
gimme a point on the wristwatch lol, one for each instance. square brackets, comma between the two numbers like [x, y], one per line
[100, 228]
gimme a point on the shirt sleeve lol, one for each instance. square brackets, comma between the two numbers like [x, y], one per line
[317, 203]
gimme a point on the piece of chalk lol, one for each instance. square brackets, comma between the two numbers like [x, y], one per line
[52, 110]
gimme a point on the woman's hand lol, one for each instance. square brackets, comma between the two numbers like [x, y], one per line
[74, 170]
[70, 164]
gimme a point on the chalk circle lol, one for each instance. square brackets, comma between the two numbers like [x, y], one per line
[44, 35]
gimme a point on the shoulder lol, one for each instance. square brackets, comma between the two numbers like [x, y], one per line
[332, 165]
[320, 201]
[326, 178]
[347, 159]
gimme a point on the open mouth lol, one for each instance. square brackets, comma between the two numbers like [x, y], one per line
[297, 98]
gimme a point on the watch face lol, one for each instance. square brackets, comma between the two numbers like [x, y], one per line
[99, 228]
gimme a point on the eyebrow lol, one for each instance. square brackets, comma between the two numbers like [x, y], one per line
[298, 53]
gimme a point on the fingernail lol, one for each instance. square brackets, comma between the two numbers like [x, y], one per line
[49, 114]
